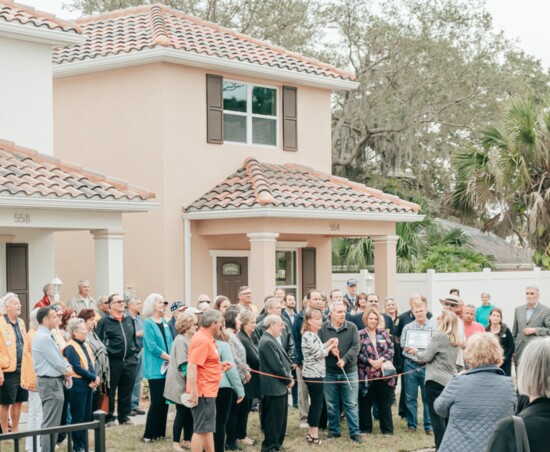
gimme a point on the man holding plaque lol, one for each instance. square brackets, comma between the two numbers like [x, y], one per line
[416, 335]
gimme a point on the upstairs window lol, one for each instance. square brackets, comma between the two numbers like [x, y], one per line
[249, 113]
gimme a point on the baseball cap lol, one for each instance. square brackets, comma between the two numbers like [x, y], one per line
[176, 305]
[352, 282]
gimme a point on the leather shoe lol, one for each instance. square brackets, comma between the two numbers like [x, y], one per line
[411, 430]
[357, 439]
[139, 411]
[430, 432]
[333, 435]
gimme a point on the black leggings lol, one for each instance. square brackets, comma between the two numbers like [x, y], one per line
[317, 401]
[183, 421]
[242, 417]
[238, 418]
[223, 408]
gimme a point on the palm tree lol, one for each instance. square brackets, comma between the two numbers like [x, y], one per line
[506, 179]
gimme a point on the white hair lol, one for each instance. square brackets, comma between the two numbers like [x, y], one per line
[533, 287]
[149, 304]
[334, 304]
[534, 369]
[271, 320]
[4, 301]
[83, 282]
[32, 318]
[73, 326]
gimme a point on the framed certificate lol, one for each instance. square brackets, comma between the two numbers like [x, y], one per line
[418, 339]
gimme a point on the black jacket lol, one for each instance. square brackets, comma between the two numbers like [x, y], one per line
[273, 361]
[119, 337]
[508, 347]
[287, 339]
[252, 388]
[348, 346]
[536, 417]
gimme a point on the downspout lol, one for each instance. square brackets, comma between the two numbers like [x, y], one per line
[187, 259]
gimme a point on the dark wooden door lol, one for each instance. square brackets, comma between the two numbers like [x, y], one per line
[17, 274]
[232, 273]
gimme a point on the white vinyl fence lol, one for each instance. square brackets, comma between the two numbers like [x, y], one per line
[507, 289]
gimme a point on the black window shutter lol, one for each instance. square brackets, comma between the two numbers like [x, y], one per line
[290, 119]
[309, 270]
[214, 107]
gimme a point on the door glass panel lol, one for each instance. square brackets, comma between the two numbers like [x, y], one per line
[231, 269]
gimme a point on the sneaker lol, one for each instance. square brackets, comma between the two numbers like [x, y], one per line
[304, 424]
[357, 439]
[146, 440]
[334, 435]
[430, 432]
[411, 430]
[110, 424]
[127, 422]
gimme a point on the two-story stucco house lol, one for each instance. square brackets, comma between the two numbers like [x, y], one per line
[41, 195]
[234, 137]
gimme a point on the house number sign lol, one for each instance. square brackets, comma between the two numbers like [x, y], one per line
[334, 226]
[21, 218]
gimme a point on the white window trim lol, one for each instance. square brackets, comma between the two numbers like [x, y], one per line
[249, 115]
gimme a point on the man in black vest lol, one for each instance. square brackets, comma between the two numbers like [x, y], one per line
[274, 390]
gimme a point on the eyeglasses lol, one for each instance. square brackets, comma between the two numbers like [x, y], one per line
[530, 293]
[118, 302]
[246, 294]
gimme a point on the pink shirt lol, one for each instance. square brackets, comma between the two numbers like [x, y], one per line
[473, 328]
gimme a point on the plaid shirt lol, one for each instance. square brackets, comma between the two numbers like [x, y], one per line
[428, 326]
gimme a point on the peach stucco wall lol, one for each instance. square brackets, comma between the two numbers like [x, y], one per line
[147, 125]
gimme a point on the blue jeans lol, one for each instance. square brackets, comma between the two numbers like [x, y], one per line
[136, 392]
[413, 381]
[336, 392]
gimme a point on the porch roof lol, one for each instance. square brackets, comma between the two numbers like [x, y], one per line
[31, 179]
[291, 190]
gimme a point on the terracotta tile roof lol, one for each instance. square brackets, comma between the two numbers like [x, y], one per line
[26, 173]
[149, 26]
[27, 15]
[290, 186]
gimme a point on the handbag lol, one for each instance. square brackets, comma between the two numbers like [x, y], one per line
[387, 367]
[522, 440]
[103, 399]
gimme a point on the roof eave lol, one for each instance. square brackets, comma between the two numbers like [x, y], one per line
[262, 212]
[55, 38]
[167, 55]
[78, 204]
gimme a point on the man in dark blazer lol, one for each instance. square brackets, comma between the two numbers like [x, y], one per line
[531, 320]
[274, 389]
[273, 306]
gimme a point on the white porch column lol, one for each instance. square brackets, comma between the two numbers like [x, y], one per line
[262, 264]
[385, 265]
[109, 267]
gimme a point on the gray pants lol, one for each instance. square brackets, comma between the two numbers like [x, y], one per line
[51, 394]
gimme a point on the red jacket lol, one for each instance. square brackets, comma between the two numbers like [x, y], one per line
[43, 303]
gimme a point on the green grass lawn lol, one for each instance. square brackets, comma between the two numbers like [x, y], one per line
[126, 439]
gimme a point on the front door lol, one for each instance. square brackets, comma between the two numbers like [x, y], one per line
[231, 273]
[17, 266]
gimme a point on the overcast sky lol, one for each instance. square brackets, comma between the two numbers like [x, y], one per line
[526, 20]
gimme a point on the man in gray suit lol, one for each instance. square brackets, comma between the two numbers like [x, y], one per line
[530, 321]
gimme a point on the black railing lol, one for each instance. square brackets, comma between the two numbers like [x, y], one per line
[97, 425]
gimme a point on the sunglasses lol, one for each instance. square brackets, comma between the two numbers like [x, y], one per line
[450, 305]
[530, 293]
[118, 302]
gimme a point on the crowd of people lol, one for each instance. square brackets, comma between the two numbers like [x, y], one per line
[337, 359]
